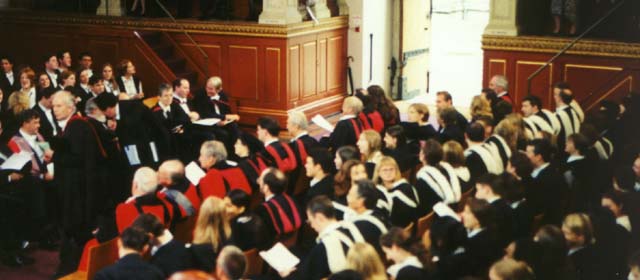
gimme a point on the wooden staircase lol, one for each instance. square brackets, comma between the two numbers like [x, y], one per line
[165, 50]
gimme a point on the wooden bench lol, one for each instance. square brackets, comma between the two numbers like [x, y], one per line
[99, 257]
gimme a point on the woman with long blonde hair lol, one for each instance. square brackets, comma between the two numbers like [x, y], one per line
[479, 107]
[212, 232]
[364, 259]
[370, 146]
[401, 194]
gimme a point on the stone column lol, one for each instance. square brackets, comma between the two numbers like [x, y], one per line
[343, 7]
[502, 18]
[115, 8]
[280, 12]
[320, 9]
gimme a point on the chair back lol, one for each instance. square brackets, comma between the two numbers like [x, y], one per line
[424, 223]
[255, 264]
[183, 231]
[102, 256]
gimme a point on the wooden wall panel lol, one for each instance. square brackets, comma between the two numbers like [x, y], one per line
[293, 72]
[243, 72]
[335, 62]
[541, 85]
[322, 66]
[584, 78]
[309, 66]
[273, 73]
[214, 51]
[497, 67]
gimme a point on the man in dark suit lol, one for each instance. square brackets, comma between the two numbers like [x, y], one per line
[76, 158]
[175, 122]
[51, 69]
[85, 60]
[491, 188]
[548, 191]
[9, 80]
[279, 212]
[362, 199]
[478, 157]
[142, 137]
[213, 102]
[443, 101]
[318, 166]
[167, 254]
[48, 124]
[132, 244]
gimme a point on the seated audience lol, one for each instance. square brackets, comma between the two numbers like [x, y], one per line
[479, 107]
[177, 189]
[536, 118]
[221, 175]
[402, 195]
[345, 153]
[300, 144]
[509, 269]
[384, 105]
[417, 125]
[279, 212]
[453, 154]
[370, 145]
[212, 232]
[129, 84]
[370, 118]
[279, 153]
[167, 254]
[396, 146]
[492, 188]
[364, 259]
[578, 231]
[249, 151]
[436, 180]
[365, 225]
[411, 261]
[231, 264]
[445, 101]
[349, 172]
[318, 166]
[482, 247]
[28, 85]
[247, 227]
[133, 243]
[579, 171]
[213, 102]
[548, 191]
[109, 80]
[348, 129]
[478, 157]
[614, 202]
[449, 129]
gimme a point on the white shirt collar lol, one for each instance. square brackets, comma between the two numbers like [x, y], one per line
[216, 97]
[117, 111]
[269, 142]
[346, 117]
[493, 199]
[269, 197]
[539, 169]
[574, 158]
[328, 229]
[515, 204]
[181, 99]
[155, 249]
[63, 124]
[44, 109]
[28, 137]
[574, 250]
[299, 135]
[474, 232]
[409, 261]
[502, 94]
[164, 108]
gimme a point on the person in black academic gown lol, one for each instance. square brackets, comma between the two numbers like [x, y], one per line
[318, 166]
[417, 127]
[396, 146]
[450, 129]
[250, 153]
[9, 79]
[246, 227]
[279, 153]
[578, 173]
[48, 124]
[300, 144]
[175, 122]
[167, 254]
[491, 188]
[578, 231]
[410, 259]
[548, 191]
[76, 157]
[347, 130]
[138, 130]
[212, 232]
[132, 244]
[402, 196]
[482, 247]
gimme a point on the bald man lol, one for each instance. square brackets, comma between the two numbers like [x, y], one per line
[177, 188]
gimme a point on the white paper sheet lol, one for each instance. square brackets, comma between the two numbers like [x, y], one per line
[194, 173]
[50, 168]
[280, 258]
[322, 122]
[16, 161]
[132, 154]
[443, 210]
[154, 151]
[207, 122]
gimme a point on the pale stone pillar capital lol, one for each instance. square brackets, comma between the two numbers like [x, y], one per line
[115, 8]
[502, 18]
[280, 12]
[343, 7]
[320, 9]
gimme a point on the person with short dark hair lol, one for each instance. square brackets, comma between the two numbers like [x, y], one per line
[396, 146]
[51, 69]
[250, 151]
[85, 60]
[445, 101]
[481, 247]
[436, 180]
[344, 154]
[362, 199]
[411, 260]
[579, 172]
[493, 188]
[48, 124]
[28, 139]
[246, 226]
[449, 128]
[64, 60]
[318, 166]
[328, 255]
[280, 154]
[175, 122]
[536, 118]
[9, 80]
[548, 189]
[167, 254]
[132, 244]
[478, 156]
[279, 211]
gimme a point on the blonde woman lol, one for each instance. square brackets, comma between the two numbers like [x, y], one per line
[479, 107]
[453, 154]
[28, 85]
[212, 232]
[578, 231]
[17, 102]
[364, 259]
[401, 194]
[370, 146]
[417, 126]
